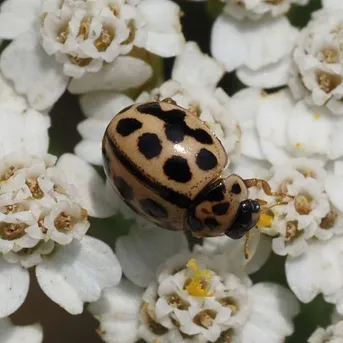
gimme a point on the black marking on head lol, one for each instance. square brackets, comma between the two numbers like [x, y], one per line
[152, 208]
[216, 192]
[211, 223]
[221, 209]
[124, 188]
[175, 126]
[176, 168]
[166, 193]
[126, 126]
[125, 109]
[236, 188]
[149, 145]
[206, 160]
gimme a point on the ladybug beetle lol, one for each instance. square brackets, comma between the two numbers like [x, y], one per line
[167, 166]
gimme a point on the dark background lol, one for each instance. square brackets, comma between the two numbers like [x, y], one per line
[59, 326]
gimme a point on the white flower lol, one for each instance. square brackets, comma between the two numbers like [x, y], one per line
[21, 127]
[14, 334]
[192, 88]
[332, 334]
[90, 42]
[276, 128]
[42, 226]
[189, 297]
[318, 61]
[259, 50]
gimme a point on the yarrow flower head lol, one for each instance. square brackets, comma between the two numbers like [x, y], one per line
[42, 225]
[305, 215]
[317, 75]
[190, 297]
[37, 209]
[96, 45]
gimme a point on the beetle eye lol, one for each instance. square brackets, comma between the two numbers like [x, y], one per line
[247, 217]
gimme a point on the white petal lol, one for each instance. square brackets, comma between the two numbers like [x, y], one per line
[78, 273]
[118, 312]
[272, 116]
[164, 44]
[143, 250]
[207, 73]
[89, 184]
[27, 131]
[103, 105]
[332, 4]
[38, 76]
[14, 286]
[319, 270]
[20, 334]
[260, 256]
[16, 17]
[309, 130]
[124, 73]
[162, 20]
[334, 189]
[244, 106]
[271, 316]
[89, 151]
[253, 44]
[272, 75]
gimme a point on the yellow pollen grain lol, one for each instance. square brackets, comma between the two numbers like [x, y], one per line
[317, 116]
[298, 145]
[266, 220]
[199, 284]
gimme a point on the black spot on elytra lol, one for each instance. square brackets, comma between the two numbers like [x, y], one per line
[152, 208]
[124, 188]
[206, 160]
[176, 168]
[178, 199]
[175, 126]
[236, 188]
[220, 209]
[211, 223]
[127, 126]
[125, 109]
[149, 145]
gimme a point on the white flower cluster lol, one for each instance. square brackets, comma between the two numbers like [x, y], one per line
[189, 297]
[37, 209]
[317, 75]
[102, 44]
[85, 34]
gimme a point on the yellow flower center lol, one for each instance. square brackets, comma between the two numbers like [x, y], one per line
[200, 281]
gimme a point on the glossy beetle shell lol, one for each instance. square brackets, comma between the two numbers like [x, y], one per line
[159, 157]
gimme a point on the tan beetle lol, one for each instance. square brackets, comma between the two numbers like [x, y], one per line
[167, 165]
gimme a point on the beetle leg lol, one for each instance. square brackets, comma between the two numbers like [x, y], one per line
[265, 186]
